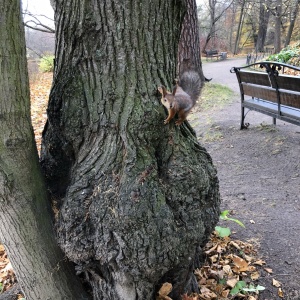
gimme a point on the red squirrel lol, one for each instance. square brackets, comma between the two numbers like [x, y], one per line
[183, 98]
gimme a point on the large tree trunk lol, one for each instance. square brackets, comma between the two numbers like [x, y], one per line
[26, 226]
[137, 198]
[264, 14]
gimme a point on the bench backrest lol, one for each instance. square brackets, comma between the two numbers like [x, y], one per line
[211, 52]
[283, 89]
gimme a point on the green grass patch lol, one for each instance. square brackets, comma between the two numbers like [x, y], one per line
[215, 95]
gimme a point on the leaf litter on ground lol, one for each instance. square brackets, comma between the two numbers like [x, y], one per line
[230, 272]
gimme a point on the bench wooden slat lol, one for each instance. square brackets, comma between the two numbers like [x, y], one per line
[289, 98]
[258, 91]
[254, 77]
[289, 82]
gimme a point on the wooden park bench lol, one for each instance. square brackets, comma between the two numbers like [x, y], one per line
[274, 91]
[215, 53]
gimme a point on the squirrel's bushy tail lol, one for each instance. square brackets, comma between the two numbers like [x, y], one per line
[191, 83]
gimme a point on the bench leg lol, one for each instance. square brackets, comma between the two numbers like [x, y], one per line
[274, 121]
[243, 118]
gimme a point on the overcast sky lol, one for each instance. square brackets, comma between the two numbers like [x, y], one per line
[38, 6]
[43, 7]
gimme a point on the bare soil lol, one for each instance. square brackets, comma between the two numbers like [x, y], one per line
[259, 174]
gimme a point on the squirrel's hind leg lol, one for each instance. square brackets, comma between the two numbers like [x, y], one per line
[181, 117]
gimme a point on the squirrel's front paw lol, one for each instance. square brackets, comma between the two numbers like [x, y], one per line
[166, 121]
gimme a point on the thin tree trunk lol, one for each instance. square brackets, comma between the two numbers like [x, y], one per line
[189, 44]
[239, 30]
[26, 228]
[277, 33]
[292, 23]
[137, 198]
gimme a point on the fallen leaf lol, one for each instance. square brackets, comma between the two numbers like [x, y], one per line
[232, 281]
[225, 293]
[259, 262]
[211, 249]
[255, 276]
[280, 293]
[241, 264]
[251, 268]
[214, 258]
[269, 270]
[227, 270]
[276, 283]
[235, 245]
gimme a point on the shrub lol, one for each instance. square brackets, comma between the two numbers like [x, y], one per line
[287, 54]
[47, 63]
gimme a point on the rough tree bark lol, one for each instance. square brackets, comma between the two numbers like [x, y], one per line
[136, 198]
[264, 14]
[189, 42]
[26, 225]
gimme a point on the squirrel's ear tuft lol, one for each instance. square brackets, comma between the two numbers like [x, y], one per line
[162, 90]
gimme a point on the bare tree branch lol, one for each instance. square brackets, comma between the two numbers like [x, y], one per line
[38, 24]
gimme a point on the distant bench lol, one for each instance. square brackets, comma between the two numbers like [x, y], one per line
[215, 53]
[271, 93]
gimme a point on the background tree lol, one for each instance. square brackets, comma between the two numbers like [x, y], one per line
[240, 26]
[136, 199]
[26, 226]
[264, 14]
[189, 42]
[293, 16]
[277, 30]
[216, 10]
[251, 24]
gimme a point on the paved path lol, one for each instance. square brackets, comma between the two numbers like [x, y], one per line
[219, 71]
[259, 173]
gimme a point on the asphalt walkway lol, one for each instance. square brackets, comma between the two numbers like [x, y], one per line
[219, 71]
[259, 173]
